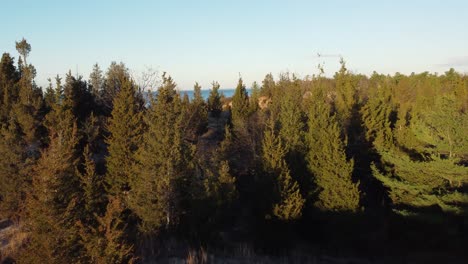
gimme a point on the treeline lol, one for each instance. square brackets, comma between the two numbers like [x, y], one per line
[102, 171]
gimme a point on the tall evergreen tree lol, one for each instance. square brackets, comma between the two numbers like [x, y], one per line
[116, 76]
[197, 115]
[328, 163]
[8, 88]
[376, 114]
[214, 100]
[287, 201]
[163, 163]
[13, 171]
[240, 104]
[51, 206]
[26, 111]
[106, 242]
[96, 81]
[126, 128]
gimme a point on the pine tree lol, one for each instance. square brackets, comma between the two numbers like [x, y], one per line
[255, 90]
[346, 95]
[197, 115]
[92, 188]
[287, 201]
[126, 129]
[51, 210]
[268, 85]
[414, 185]
[291, 119]
[13, 171]
[8, 86]
[116, 76]
[240, 104]
[163, 163]
[328, 163]
[26, 109]
[107, 243]
[219, 189]
[96, 80]
[376, 114]
[214, 100]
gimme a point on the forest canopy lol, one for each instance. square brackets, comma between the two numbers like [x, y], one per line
[101, 170]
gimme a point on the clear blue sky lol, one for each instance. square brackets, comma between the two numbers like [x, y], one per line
[215, 40]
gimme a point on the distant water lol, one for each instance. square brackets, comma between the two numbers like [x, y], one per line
[206, 93]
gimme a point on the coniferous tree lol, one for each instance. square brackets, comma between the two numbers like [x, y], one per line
[240, 104]
[125, 128]
[96, 80]
[414, 185]
[214, 100]
[346, 95]
[197, 114]
[287, 201]
[268, 85]
[26, 110]
[116, 76]
[255, 90]
[51, 209]
[13, 171]
[107, 243]
[8, 86]
[163, 163]
[328, 163]
[376, 114]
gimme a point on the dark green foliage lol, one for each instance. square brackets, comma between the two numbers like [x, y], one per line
[116, 76]
[418, 185]
[214, 100]
[376, 115]
[50, 207]
[240, 104]
[8, 85]
[106, 243]
[162, 163]
[350, 162]
[287, 199]
[196, 115]
[125, 128]
[13, 172]
[328, 162]
[96, 81]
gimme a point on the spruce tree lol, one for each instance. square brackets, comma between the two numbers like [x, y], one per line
[96, 80]
[126, 128]
[163, 163]
[8, 85]
[214, 100]
[51, 210]
[346, 96]
[117, 74]
[414, 186]
[327, 161]
[13, 171]
[26, 110]
[197, 115]
[240, 104]
[376, 114]
[107, 242]
[287, 199]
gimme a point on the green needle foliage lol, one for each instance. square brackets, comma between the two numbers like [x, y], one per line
[163, 163]
[328, 163]
[125, 128]
[287, 199]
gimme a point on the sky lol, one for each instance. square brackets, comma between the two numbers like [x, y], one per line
[207, 41]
